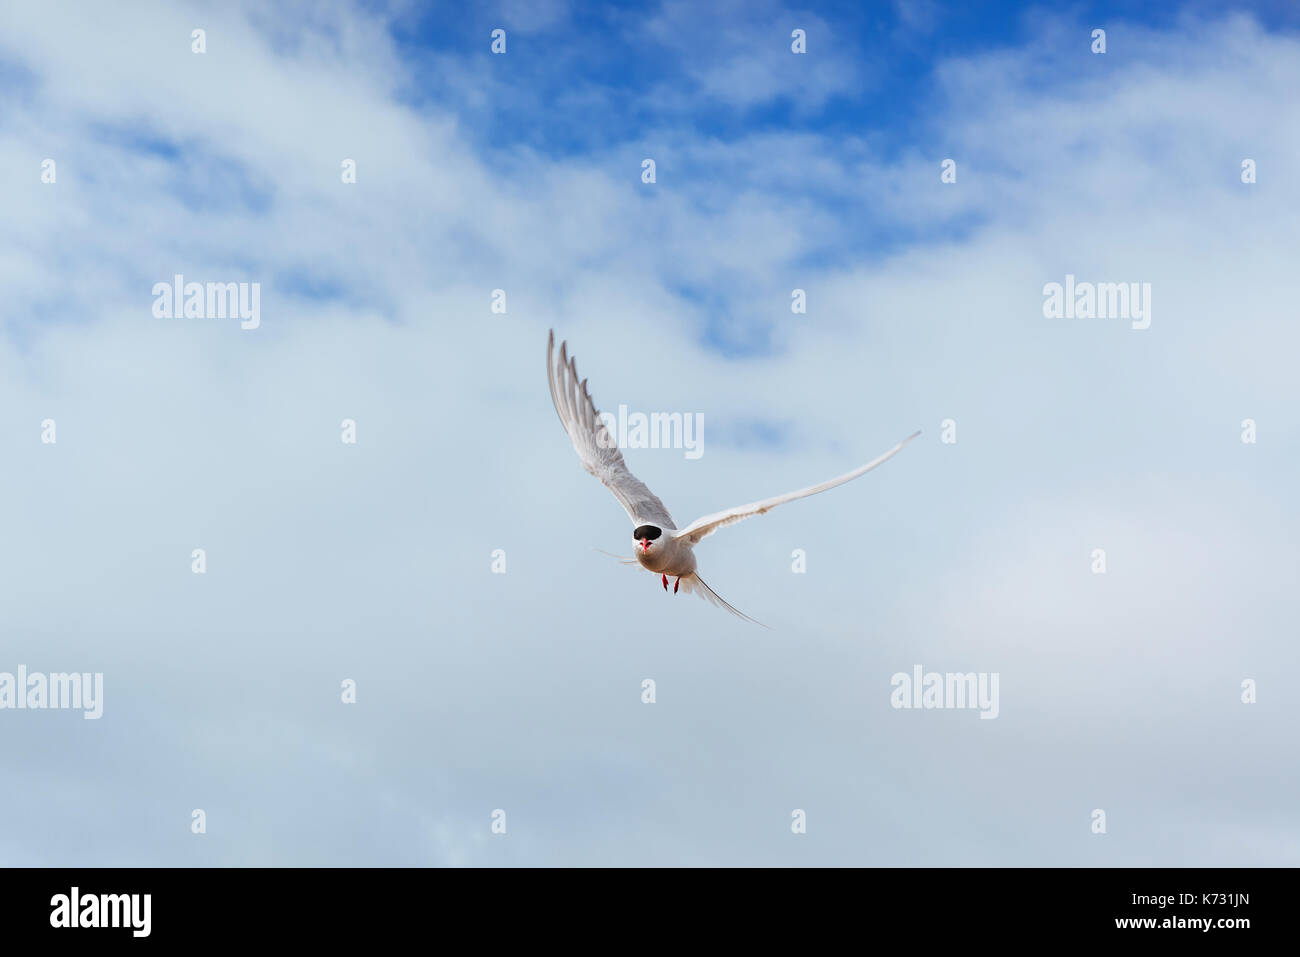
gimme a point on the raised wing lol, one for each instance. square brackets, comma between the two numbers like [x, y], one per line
[596, 448]
[709, 524]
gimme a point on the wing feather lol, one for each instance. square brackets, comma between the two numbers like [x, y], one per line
[703, 527]
[596, 448]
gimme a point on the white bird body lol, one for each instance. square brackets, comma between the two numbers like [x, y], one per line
[661, 547]
[671, 556]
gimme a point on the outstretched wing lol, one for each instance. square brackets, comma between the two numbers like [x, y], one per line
[709, 524]
[596, 448]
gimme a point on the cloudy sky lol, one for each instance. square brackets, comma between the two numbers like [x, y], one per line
[774, 171]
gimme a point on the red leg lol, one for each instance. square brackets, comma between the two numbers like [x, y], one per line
[675, 584]
[665, 583]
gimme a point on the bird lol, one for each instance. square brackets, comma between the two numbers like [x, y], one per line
[661, 547]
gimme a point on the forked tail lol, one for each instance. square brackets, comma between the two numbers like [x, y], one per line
[694, 583]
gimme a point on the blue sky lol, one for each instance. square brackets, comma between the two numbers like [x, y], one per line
[521, 691]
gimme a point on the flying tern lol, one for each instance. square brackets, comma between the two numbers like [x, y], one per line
[661, 547]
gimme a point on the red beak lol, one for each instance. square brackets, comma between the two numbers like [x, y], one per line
[645, 544]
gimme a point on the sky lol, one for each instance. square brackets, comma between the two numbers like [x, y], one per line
[445, 565]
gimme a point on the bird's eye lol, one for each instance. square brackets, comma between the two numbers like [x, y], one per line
[646, 531]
